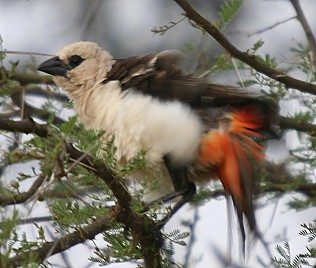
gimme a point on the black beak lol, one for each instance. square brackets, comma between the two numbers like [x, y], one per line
[54, 66]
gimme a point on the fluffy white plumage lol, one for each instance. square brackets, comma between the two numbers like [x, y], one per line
[137, 121]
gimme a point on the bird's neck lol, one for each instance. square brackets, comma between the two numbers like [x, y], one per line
[97, 108]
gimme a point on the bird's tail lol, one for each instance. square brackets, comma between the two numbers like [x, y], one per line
[231, 150]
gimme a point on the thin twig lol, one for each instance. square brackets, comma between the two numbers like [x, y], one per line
[24, 196]
[192, 227]
[307, 29]
[256, 32]
[36, 219]
[271, 26]
[238, 73]
[22, 103]
[25, 53]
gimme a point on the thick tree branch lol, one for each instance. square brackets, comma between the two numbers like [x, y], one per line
[308, 189]
[251, 60]
[144, 230]
[299, 125]
[50, 94]
[88, 232]
[23, 197]
[27, 126]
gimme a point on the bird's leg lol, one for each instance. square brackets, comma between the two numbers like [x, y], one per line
[179, 176]
[181, 184]
[182, 187]
[186, 197]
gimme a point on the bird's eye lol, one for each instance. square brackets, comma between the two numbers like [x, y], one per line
[75, 61]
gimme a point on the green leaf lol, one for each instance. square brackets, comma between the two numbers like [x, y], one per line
[227, 12]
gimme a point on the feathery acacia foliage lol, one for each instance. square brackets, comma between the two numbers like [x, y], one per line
[301, 260]
[86, 196]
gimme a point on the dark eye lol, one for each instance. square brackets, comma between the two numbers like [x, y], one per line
[75, 61]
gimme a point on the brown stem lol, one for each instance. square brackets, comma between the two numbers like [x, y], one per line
[251, 60]
[299, 125]
[307, 29]
[68, 241]
[22, 197]
[30, 110]
[25, 79]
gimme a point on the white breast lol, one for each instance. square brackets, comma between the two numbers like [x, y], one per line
[141, 122]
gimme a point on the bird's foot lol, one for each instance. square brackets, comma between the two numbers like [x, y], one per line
[186, 197]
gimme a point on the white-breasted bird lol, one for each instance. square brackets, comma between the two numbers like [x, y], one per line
[149, 105]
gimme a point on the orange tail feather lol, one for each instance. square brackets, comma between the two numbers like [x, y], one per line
[228, 150]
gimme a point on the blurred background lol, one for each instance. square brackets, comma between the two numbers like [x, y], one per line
[124, 28]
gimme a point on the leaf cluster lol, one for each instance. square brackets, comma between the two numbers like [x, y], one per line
[227, 12]
[304, 259]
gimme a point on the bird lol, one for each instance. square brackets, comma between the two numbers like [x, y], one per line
[190, 130]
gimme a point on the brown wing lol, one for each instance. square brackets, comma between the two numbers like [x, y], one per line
[132, 71]
[136, 72]
[159, 75]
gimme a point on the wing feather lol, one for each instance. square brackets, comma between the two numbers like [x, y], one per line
[160, 76]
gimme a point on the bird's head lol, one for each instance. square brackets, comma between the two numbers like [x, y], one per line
[78, 66]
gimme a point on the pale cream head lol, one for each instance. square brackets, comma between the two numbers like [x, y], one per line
[90, 72]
